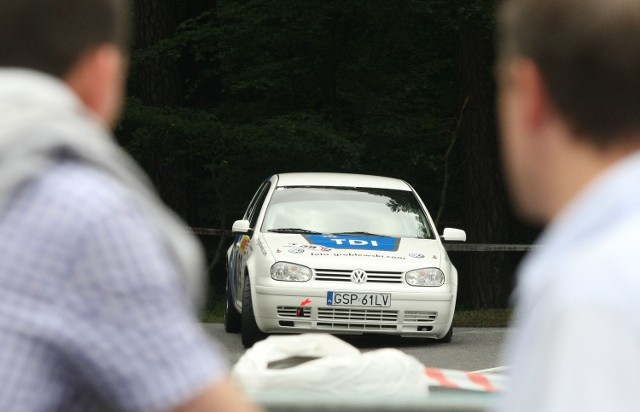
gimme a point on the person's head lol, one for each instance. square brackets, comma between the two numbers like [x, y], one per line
[568, 68]
[83, 42]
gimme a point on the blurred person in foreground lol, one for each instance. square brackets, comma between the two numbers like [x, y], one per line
[568, 76]
[98, 280]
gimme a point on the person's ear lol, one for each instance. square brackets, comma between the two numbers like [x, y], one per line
[98, 79]
[536, 105]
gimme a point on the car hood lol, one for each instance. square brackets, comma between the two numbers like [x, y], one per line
[339, 251]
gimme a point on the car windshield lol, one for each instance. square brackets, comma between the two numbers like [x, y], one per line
[339, 210]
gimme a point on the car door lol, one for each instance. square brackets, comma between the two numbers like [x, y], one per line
[240, 251]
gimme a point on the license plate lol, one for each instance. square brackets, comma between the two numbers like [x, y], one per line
[359, 299]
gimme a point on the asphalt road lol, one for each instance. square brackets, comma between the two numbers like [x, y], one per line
[471, 349]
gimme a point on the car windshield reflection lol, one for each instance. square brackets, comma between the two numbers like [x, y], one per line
[340, 210]
[294, 230]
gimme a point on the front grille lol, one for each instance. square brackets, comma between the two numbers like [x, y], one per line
[345, 318]
[336, 275]
[350, 314]
[358, 320]
[420, 317]
[292, 312]
[355, 326]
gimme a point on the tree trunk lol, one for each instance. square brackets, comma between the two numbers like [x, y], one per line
[158, 81]
[486, 276]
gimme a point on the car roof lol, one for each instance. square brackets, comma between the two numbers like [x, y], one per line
[341, 180]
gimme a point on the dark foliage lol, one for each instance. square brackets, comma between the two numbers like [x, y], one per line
[225, 93]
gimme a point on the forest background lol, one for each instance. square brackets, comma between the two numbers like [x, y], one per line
[224, 93]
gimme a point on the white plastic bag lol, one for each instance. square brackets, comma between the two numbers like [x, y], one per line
[323, 364]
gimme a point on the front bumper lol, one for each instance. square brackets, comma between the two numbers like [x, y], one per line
[295, 310]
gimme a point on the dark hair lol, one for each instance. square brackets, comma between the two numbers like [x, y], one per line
[588, 52]
[50, 35]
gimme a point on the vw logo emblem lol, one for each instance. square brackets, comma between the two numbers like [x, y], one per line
[358, 276]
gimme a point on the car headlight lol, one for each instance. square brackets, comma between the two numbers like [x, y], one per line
[430, 277]
[290, 272]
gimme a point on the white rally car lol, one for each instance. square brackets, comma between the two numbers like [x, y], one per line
[339, 253]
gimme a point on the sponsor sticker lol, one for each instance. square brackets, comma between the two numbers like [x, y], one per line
[416, 255]
[243, 243]
[262, 248]
[317, 248]
[382, 243]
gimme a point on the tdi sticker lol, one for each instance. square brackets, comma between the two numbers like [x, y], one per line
[416, 255]
[383, 243]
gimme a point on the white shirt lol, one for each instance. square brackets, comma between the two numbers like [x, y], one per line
[575, 345]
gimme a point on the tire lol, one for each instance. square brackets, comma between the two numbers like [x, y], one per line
[447, 338]
[250, 331]
[231, 316]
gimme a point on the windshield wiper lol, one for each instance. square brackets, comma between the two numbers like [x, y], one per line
[294, 230]
[360, 233]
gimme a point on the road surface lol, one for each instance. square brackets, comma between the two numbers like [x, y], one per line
[471, 349]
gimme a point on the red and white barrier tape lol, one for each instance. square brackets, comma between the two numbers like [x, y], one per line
[208, 231]
[473, 381]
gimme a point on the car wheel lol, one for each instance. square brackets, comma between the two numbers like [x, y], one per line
[231, 315]
[447, 338]
[250, 331]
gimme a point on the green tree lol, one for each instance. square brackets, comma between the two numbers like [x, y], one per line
[225, 93]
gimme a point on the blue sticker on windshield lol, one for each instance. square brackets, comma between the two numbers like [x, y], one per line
[383, 243]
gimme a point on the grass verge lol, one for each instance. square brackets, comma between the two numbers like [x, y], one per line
[213, 315]
[482, 318]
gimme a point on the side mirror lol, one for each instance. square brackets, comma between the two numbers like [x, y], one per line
[454, 235]
[240, 226]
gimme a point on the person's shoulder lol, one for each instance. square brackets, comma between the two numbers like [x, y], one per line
[602, 269]
[83, 188]
[53, 214]
[70, 196]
